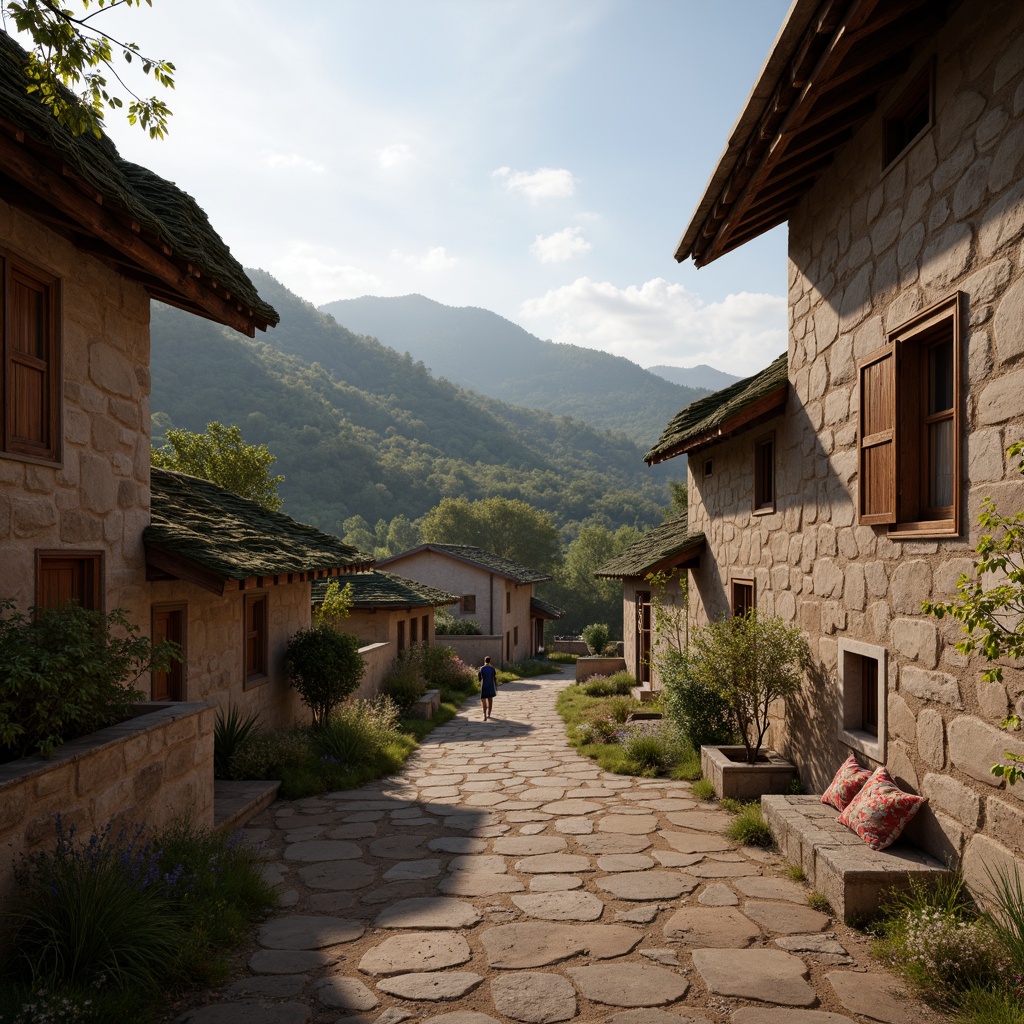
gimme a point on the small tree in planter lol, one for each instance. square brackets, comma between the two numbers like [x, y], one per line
[751, 661]
[596, 637]
[325, 666]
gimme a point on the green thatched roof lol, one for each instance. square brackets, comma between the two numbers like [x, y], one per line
[130, 200]
[477, 556]
[198, 524]
[659, 547]
[376, 589]
[725, 413]
[545, 609]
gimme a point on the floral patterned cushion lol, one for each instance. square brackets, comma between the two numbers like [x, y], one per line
[880, 811]
[847, 784]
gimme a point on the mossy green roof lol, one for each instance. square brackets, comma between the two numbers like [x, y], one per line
[235, 538]
[378, 589]
[545, 609]
[655, 547]
[722, 414]
[488, 560]
[157, 206]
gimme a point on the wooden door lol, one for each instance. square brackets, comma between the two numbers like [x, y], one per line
[168, 624]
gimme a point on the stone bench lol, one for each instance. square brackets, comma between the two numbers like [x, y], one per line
[837, 862]
[427, 705]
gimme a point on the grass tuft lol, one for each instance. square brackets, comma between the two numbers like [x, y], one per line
[796, 873]
[703, 789]
[749, 827]
[819, 901]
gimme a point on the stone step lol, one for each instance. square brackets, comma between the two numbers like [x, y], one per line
[237, 803]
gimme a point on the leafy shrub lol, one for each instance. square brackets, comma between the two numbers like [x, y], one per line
[443, 669]
[596, 637]
[66, 672]
[620, 708]
[230, 731]
[446, 624]
[602, 729]
[357, 731]
[750, 828]
[325, 666]
[269, 755]
[703, 789]
[620, 684]
[701, 712]
[403, 683]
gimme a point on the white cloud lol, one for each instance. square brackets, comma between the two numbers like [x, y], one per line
[660, 322]
[394, 156]
[317, 274]
[434, 261]
[544, 183]
[292, 162]
[561, 246]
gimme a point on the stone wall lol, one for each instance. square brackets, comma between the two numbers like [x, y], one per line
[97, 499]
[152, 769]
[377, 661]
[869, 249]
[472, 649]
[459, 578]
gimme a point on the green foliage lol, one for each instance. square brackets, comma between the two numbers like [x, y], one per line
[596, 637]
[325, 666]
[700, 711]
[354, 733]
[335, 606]
[703, 789]
[689, 767]
[69, 53]
[562, 657]
[272, 755]
[222, 457]
[749, 827]
[443, 669]
[404, 682]
[819, 901]
[230, 731]
[989, 1004]
[749, 661]
[654, 748]
[670, 601]
[680, 499]
[993, 615]
[446, 624]
[795, 873]
[1005, 915]
[620, 684]
[66, 672]
[507, 526]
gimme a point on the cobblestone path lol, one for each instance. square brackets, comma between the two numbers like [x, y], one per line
[502, 877]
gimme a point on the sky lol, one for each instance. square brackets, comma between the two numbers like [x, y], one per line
[538, 158]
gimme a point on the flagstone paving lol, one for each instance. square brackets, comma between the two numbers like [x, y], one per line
[502, 877]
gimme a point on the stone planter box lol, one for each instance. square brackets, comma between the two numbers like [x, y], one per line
[731, 776]
[152, 768]
[587, 667]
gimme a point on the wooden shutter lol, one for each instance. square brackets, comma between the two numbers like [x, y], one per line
[61, 578]
[256, 647]
[877, 437]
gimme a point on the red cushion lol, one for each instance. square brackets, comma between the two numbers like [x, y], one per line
[880, 811]
[847, 784]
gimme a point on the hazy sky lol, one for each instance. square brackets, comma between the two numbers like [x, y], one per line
[539, 158]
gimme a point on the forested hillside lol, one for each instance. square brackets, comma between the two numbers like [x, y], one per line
[700, 376]
[478, 349]
[360, 430]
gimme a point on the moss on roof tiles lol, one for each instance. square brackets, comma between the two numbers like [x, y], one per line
[159, 206]
[233, 537]
[378, 589]
[488, 560]
[655, 546]
[707, 415]
[545, 608]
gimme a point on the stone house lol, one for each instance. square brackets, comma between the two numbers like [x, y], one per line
[494, 592]
[889, 138]
[669, 550]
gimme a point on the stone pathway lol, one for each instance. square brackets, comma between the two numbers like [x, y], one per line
[502, 877]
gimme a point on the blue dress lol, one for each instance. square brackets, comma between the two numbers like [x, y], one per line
[487, 676]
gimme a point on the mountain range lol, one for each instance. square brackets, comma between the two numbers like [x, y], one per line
[481, 350]
[360, 429]
[699, 376]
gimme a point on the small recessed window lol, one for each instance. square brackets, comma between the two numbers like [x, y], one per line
[743, 602]
[414, 631]
[707, 468]
[764, 474]
[63, 576]
[257, 637]
[469, 604]
[910, 116]
[862, 674]
[508, 600]
[401, 635]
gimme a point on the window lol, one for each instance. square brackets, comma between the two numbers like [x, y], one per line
[515, 636]
[30, 371]
[257, 651]
[414, 631]
[764, 475]
[401, 635]
[862, 674]
[708, 467]
[644, 617]
[742, 597]
[508, 600]
[425, 621]
[909, 430]
[469, 604]
[508, 646]
[910, 116]
[63, 576]
[169, 624]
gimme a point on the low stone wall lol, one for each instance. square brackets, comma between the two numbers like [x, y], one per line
[587, 667]
[377, 659]
[153, 768]
[472, 648]
[570, 647]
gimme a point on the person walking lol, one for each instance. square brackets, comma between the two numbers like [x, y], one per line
[488, 686]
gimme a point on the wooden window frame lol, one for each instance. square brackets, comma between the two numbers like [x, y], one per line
[866, 737]
[644, 625]
[178, 668]
[400, 636]
[425, 626]
[414, 630]
[708, 467]
[917, 96]
[92, 562]
[48, 452]
[508, 602]
[515, 636]
[745, 583]
[468, 604]
[892, 445]
[764, 475]
[256, 675]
